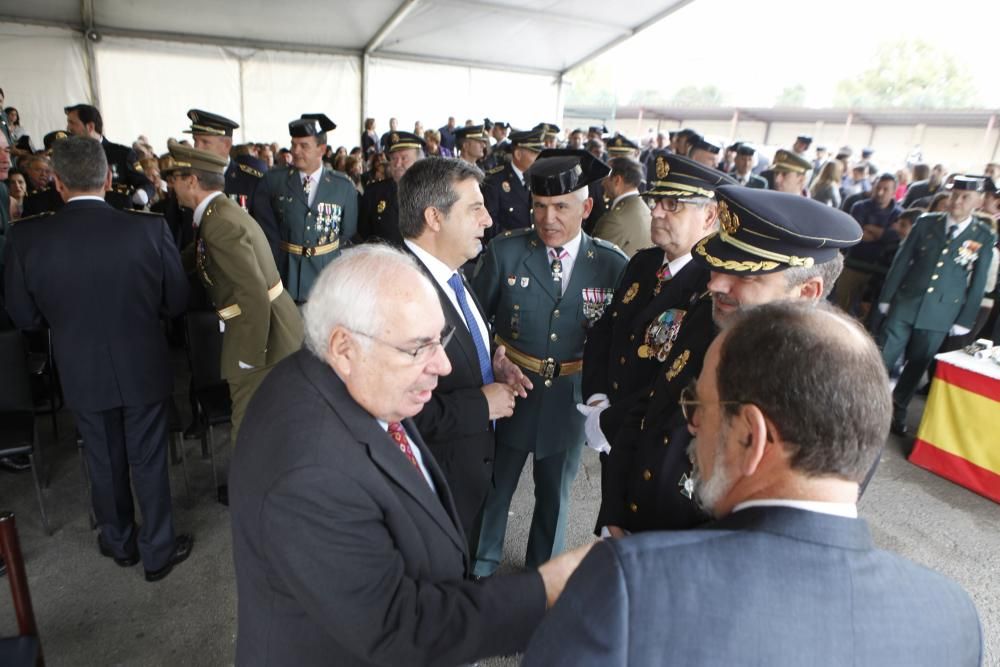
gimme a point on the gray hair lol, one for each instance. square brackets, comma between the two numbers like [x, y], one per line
[829, 271]
[209, 180]
[80, 164]
[429, 183]
[348, 293]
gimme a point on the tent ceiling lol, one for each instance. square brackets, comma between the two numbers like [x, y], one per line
[545, 36]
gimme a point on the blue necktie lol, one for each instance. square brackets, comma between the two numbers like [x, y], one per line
[483, 352]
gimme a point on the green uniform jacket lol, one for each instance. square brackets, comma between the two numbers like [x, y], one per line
[934, 283]
[333, 218]
[626, 225]
[234, 263]
[514, 284]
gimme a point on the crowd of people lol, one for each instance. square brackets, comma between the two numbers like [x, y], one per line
[405, 323]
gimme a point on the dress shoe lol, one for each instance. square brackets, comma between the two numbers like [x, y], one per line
[16, 463]
[182, 549]
[127, 561]
[898, 427]
[222, 494]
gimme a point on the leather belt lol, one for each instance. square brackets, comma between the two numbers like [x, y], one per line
[229, 312]
[547, 368]
[309, 251]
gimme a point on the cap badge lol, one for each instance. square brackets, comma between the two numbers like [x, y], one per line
[380, 206]
[662, 168]
[729, 220]
[394, 138]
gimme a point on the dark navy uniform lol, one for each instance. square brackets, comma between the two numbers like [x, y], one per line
[507, 199]
[242, 176]
[49, 201]
[126, 172]
[378, 214]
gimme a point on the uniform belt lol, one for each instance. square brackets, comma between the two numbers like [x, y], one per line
[309, 251]
[229, 312]
[547, 368]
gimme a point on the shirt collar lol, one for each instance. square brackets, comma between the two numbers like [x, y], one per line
[442, 274]
[315, 175]
[86, 198]
[199, 210]
[630, 193]
[676, 264]
[572, 247]
[949, 221]
[517, 172]
[847, 510]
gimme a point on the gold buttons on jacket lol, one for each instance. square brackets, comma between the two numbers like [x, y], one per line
[614, 385]
[666, 440]
[633, 507]
[548, 383]
[631, 337]
[940, 264]
[554, 337]
[930, 289]
[555, 313]
[934, 277]
[621, 361]
[647, 474]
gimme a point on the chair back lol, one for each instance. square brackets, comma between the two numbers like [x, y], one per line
[10, 549]
[204, 348]
[15, 390]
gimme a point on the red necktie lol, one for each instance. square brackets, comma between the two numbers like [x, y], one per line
[398, 434]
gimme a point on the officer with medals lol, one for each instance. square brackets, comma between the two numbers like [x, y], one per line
[235, 265]
[542, 287]
[378, 218]
[770, 246]
[307, 210]
[472, 142]
[636, 333]
[214, 133]
[934, 287]
[505, 189]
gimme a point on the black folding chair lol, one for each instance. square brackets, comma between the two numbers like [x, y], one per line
[211, 392]
[18, 431]
[42, 364]
[24, 650]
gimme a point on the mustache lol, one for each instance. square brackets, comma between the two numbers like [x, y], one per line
[724, 299]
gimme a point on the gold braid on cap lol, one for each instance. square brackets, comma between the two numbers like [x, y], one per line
[731, 264]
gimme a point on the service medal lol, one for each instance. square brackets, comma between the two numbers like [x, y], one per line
[686, 483]
[630, 293]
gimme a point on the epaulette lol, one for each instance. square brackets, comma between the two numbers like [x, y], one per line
[256, 173]
[138, 167]
[985, 221]
[515, 233]
[495, 170]
[27, 218]
[337, 174]
[607, 245]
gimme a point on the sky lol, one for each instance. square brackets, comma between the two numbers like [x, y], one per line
[752, 50]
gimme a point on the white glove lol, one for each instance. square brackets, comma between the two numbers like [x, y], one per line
[592, 427]
[958, 330]
[140, 198]
[244, 366]
[883, 308]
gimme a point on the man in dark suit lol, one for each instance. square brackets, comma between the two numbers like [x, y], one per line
[788, 414]
[103, 305]
[346, 541]
[442, 221]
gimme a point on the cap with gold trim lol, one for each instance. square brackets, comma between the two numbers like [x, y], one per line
[559, 171]
[764, 231]
[310, 125]
[973, 183]
[477, 132]
[788, 161]
[203, 122]
[51, 138]
[397, 141]
[186, 157]
[679, 177]
[533, 140]
[548, 129]
[620, 145]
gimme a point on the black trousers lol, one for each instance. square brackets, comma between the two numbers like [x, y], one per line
[117, 441]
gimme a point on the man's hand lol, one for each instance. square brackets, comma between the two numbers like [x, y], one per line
[506, 371]
[556, 572]
[501, 398]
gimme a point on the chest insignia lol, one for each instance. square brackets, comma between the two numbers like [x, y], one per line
[505, 186]
[380, 207]
[630, 293]
[661, 334]
[678, 365]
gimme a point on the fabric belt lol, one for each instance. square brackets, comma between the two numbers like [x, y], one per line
[547, 368]
[309, 251]
[229, 312]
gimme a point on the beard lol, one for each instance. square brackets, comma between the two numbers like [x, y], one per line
[708, 492]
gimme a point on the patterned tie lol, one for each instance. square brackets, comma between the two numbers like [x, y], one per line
[398, 433]
[557, 255]
[307, 185]
[662, 276]
[485, 365]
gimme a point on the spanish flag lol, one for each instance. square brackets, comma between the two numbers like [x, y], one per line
[959, 435]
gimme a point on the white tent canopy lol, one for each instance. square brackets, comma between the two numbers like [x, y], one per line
[264, 63]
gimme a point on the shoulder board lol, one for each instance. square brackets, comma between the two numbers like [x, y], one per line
[514, 234]
[28, 218]
[256, 173]
[651, 250]
[337, 174]
[607, 245]
[496, 170]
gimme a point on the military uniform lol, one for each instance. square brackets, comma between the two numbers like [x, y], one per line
[242, 176]
[543, 326]
[626, 224]
[506, 194]
[934, 283]
[378, 214]
[48, 200]
[126, 172]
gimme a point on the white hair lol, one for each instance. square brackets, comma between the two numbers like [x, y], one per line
[348, 293]
[582, 193]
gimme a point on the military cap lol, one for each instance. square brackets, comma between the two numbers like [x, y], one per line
[689, 134]
[310, 125]
[989, 186]
[598, 129]
[867, 152]
[619, 145]
[559, 171]
[168, 164]
[973, 183]
[477, 132]
[548, 129]
[679, 177]
[703, 144]
[804, 138]
[844, 152]
[203, 122]
[51, 138]
[746, 149]
[763, 231]
[397, 141]
[734, 147]
[187, 157]
[787, 161]
[533, 140]
[487, 124]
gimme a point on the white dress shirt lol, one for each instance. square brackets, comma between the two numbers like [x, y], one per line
[846, 510]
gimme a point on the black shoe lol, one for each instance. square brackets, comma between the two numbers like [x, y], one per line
[195, 430]
[222, 494]
[182, 549]
[16, 463]
[128, 561]
[898, 427]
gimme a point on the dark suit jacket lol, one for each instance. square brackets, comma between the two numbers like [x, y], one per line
[344, 555]
[378, 213]
[763, 586]
[101, 279]
[455, 423]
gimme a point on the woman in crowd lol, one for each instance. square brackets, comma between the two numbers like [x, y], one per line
[17, 186]
[434, 147]
[826, 187]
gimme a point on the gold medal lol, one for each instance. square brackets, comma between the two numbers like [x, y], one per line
[643, 352]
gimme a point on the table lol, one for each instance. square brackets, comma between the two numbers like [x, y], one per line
[959, 434]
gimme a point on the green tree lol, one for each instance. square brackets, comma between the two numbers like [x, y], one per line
[792, 96]
[694, 96]
[909, 74]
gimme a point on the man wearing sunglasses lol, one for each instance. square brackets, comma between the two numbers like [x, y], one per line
[771, 246]
[788, 414]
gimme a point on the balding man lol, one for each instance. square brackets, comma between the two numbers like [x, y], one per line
[788, 414]
[347, 545]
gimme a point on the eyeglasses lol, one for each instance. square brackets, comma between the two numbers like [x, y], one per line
[689, 404]
[670, 204]
[421, 353]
